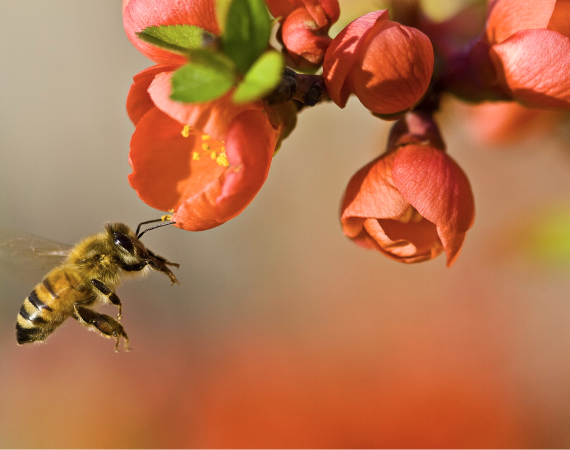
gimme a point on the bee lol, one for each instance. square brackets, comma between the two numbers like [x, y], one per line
[89, 274]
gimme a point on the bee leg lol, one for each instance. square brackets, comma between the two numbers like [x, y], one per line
[106, 325]
[113, 298]
[159, 263]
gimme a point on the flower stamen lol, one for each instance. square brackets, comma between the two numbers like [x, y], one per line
[186, 131]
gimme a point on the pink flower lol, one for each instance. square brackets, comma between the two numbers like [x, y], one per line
[413, 202]
[388, 66]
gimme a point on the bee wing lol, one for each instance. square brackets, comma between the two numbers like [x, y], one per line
[27, 254]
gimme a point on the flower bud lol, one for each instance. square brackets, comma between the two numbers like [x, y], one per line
[388, 66]
[304, 41]
[530, 49]
[413, 202]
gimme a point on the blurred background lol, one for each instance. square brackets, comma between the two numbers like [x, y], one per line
[283, 333]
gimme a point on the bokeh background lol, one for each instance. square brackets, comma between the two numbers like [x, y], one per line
[283, 333]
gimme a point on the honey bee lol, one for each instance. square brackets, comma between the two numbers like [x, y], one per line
[89, 274]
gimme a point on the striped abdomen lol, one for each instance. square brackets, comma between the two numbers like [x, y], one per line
[48, 305]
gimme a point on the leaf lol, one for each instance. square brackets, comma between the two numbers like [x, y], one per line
[222, 8]
[261, 79]
[206, 77]
[247, 32]
[175, 38]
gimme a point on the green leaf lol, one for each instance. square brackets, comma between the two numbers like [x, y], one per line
[206, 77]
[261, 79]
[222, 8]
[247, 32]
[175, 38]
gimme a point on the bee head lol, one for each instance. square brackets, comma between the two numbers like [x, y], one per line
[125, 242]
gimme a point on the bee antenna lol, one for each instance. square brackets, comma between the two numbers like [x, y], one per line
[163, 224]
[165, 218]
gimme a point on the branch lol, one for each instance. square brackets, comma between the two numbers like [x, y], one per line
[307, 89]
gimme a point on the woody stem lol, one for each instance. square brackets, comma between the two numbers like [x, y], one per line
[307, 89]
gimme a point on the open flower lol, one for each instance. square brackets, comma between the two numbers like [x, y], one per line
[413, 202]
[388, 66]
[203, 162]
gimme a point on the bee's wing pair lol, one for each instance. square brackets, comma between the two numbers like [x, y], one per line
[26, 255]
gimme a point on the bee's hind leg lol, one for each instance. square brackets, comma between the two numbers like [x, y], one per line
[104, 324]
[113, 298]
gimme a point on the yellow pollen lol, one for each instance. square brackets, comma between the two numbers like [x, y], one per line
[186, 131]
[205, 147]
[196, 156]
[213, 155]
[222, 160]
[166, 217]
[206, 137]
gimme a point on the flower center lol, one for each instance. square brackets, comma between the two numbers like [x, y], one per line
[216, 150]
[411, 215]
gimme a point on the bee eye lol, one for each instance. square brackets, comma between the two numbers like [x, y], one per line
[124, 241]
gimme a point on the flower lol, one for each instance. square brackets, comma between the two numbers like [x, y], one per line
[304, 30]
[530, 48]
[388, 66]
[140, 14]
[524, 55]
[413, 202]
[203, 162]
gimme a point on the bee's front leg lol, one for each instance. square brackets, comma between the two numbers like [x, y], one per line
[159, 263]
[113, 298]
[106, 325]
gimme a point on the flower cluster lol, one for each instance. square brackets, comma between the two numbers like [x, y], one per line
[213, 111]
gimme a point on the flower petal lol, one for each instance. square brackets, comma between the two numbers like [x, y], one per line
[161, 161]
[438, 189]
[393, 68]
[323, 12]
[304, 41]
[138, 99]
[559, 20]
[140, 14]
[506, 17]
[409, 243]
[250, 143]
[371, 194]
[535, 64]
[342, 53]
[212, 118]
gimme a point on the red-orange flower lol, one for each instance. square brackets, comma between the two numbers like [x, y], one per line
[524, 55]
[413, 202]
[204, 162]
[305, 27]
[530, 47]
[388, 66]
[140, 14]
